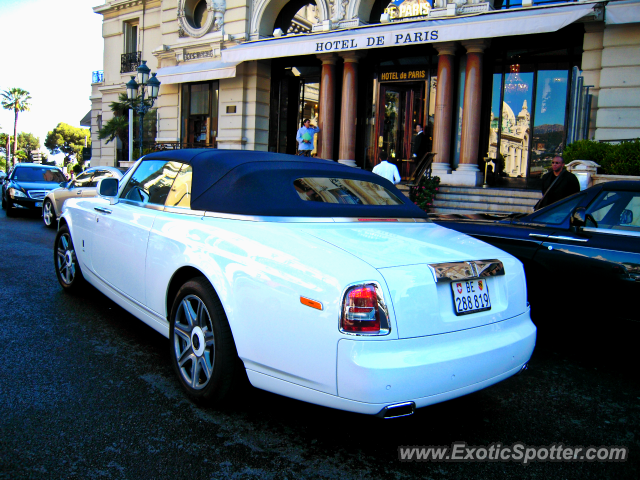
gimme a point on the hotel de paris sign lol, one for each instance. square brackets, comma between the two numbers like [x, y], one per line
[396, 9]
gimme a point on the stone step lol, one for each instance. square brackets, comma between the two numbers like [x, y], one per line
[500, 192]
[487, 207]
[463, 211]
[456, 199]
[466, 198]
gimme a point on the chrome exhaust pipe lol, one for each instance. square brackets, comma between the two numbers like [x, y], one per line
[523, 368]
[397, 410]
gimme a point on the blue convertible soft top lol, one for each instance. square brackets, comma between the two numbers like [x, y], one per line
[261, 183]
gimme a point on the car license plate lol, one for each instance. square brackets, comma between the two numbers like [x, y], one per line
[470, 296]
[38, 204]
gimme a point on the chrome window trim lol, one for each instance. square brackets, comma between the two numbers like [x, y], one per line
[152, 206]
[379, 219]
[466, 270]
[185, 211]
[265, 218]
[611, 231]
[381, 304]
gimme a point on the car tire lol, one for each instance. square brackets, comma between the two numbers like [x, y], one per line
[49, 214]
[66, 262]
[202, 350]
[8, 206]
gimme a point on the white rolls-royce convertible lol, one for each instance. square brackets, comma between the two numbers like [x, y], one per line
[315, 280]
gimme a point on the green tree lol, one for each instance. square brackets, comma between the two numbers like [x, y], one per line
[27, 142]
[68, 140]
[16, 99]
[4, 164]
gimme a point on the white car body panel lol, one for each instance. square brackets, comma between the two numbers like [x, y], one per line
[123, 233]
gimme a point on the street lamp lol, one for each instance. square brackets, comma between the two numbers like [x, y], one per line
[152, 86]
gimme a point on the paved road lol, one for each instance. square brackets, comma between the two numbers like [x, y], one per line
[87, 392]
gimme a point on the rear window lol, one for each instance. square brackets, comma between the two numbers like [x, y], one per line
[344, 191]
[35, 174]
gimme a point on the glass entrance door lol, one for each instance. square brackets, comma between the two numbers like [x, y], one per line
[401, 108]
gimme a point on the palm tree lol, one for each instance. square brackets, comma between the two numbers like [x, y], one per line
[15, 99]
[118, 125]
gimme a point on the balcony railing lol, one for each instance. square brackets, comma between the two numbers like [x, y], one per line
[97, 76]
[129, 62]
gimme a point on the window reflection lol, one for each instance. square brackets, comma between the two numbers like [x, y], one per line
[344, 191]
[548, 133]
[516, 119]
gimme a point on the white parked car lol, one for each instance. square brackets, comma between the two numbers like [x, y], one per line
[322, 282]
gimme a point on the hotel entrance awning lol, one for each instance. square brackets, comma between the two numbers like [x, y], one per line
[617, 13]
[498, 23]
[197, 72]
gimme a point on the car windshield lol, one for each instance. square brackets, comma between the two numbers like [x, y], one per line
[35, 174]
[344, 191]
[558, 213]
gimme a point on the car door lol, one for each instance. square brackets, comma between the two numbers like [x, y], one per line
[121, 230]
[601, 260]
[73, 190]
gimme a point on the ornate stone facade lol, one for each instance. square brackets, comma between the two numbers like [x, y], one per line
[199, 17]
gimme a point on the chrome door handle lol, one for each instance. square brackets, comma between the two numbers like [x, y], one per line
[79, 192]
[568, 239]
[538, 235]
[102, 210]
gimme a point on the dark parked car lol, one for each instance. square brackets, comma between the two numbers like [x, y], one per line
[583, 251]
[27, 185]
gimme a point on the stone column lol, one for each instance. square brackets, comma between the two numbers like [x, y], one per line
[326, 121]
[444, 109]
[347, 153]
[470, 140]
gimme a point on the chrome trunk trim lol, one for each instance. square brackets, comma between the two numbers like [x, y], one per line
[453, 271]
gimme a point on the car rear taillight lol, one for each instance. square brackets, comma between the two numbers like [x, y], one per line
[363, 312]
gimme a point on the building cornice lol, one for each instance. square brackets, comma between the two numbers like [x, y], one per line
[119, 5]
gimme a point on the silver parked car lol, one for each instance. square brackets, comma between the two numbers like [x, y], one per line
[84, 185]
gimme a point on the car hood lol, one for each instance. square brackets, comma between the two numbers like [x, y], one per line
[391, 245]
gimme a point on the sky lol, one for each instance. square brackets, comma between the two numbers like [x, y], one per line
[49, 48]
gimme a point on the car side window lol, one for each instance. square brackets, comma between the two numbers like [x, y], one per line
[558, 213]
[630, 216]
[151, 182]
[180, 193]
[99, 175]
[82, 180]
[617, 210]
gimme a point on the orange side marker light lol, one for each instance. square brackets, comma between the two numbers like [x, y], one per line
[311, 303]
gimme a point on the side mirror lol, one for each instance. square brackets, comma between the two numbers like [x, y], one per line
[580, 218]
[108, 188]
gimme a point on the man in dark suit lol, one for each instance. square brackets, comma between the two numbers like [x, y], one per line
[419, 144]
[557, 183]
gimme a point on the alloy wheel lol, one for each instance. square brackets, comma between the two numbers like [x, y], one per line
[66, 260]
[193, 342]
[48, 215]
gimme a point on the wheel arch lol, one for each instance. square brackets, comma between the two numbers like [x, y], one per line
[63, 221]
[179, 278]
